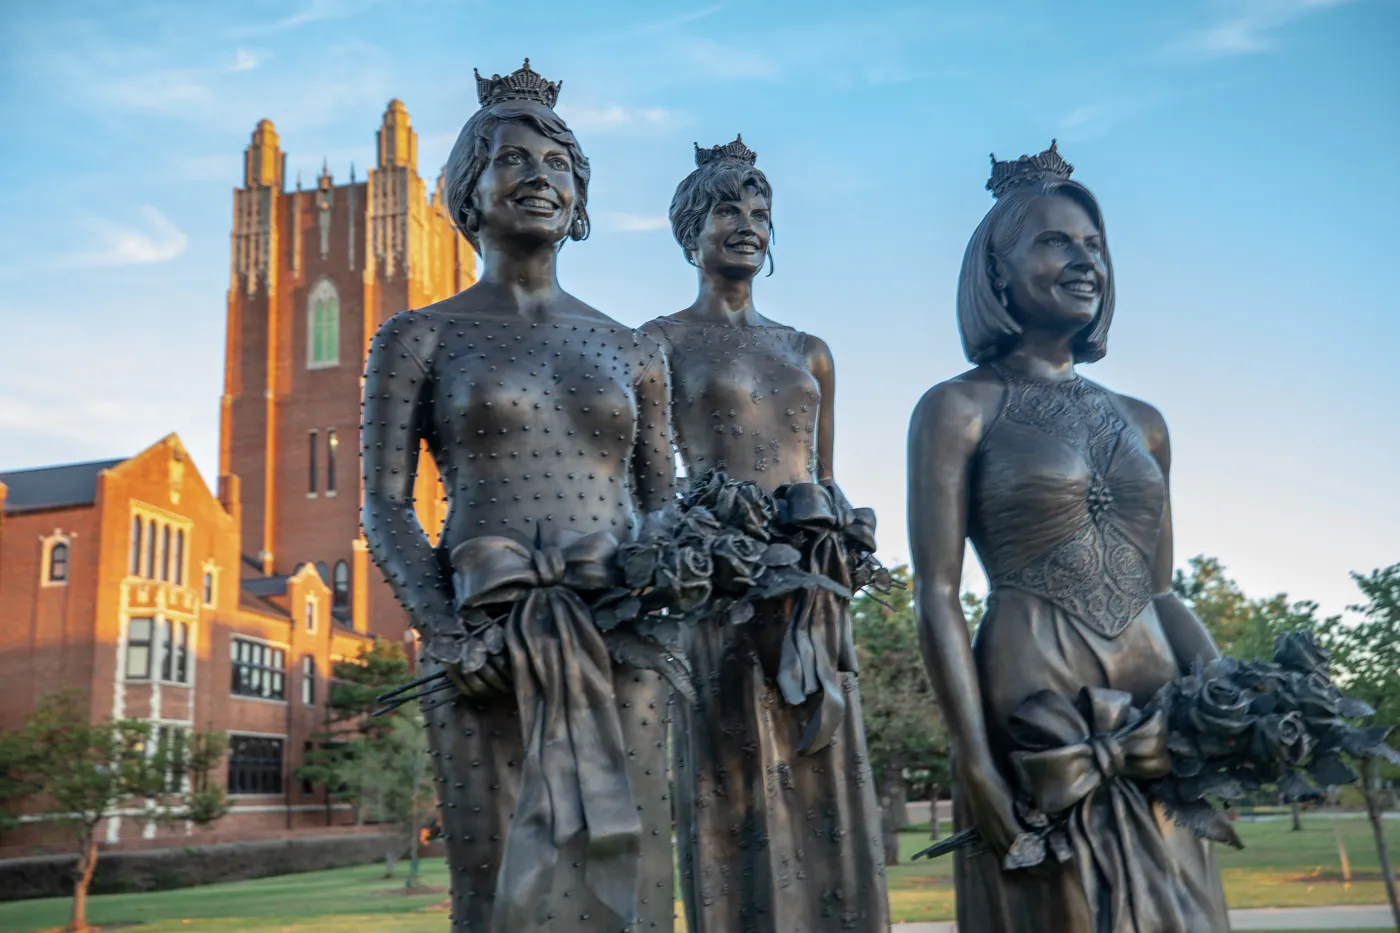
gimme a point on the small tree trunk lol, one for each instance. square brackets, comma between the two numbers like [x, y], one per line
[1373, 810]
[87, 864]
[391, 857]
[933, 828]
[413, 863]
[889, 832]
[1297, 817]
[898, 794]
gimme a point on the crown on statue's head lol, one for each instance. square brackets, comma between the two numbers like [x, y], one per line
[522, 84]
[1027, 170]
[735, 150]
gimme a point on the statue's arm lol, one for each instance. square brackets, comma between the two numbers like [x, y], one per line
[397, 400]
[653, 456]
[823, 369]
[1187, 636]
[943, 436]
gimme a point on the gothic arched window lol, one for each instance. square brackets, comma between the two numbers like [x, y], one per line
[323, 326]
[58, 562]
[341, 585]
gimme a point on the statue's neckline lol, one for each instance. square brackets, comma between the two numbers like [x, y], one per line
[1016, 375]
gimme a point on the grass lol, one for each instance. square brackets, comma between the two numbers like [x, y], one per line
[1278, 868]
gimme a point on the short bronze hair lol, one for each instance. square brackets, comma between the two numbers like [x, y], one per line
[711, 183]
[987, 329]
[472, 151]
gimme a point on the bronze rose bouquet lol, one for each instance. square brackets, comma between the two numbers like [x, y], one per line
[1212, 736]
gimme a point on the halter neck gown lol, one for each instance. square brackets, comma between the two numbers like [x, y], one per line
[1066, 509]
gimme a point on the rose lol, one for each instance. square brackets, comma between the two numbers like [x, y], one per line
[738, 561]
[639, 560]
[704, 489]
[1300, 652]
[1282, 737]
[1218, 715]
[683, 577]
[698, 526]
[1315, 696]
[745, 507]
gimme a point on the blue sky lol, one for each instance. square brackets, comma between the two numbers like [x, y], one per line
[1243, 151]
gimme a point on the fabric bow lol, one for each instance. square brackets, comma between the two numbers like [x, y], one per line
[819, 626]
[574, 775]
[1083, 766]
[1067, 758]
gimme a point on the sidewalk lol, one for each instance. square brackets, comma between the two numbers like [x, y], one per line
[1268, 918]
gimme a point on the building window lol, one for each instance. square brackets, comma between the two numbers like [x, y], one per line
[311, 615]
[165, 552]
[174, 652]
[135, 546]
[138, 649]
[308, 681]
[150, 573]
[323, 326]
[208, 593]
[170, 745]
[332, 442]
[307, 788]
[341, 584]
[311, 464]
[180, 558]
[58, 562]
[254, 765]
[259, 670]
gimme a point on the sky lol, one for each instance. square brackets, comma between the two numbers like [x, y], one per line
[1243, 151]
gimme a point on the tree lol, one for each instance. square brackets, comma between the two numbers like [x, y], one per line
[80, 771]
[903, 729]
[1367, 653]
[378, 764]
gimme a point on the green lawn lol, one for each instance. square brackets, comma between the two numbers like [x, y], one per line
[1278, 868]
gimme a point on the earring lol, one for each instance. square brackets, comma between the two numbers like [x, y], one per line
[579, 229]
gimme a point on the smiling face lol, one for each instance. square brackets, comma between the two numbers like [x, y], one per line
[526, 191]
[1055, 274]
[734, 240]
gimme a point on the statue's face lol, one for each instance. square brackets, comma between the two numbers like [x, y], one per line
[526, 191]
[1055, 275]
[734, 240]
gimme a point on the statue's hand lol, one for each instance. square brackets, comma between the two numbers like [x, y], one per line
[481, 681]
[993, 809]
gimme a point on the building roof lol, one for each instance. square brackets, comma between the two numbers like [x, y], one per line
[55, 486]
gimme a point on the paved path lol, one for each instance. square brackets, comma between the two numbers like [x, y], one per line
[1270, 918]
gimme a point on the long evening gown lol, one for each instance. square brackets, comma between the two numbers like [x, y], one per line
[769, 840]
[1066, 509]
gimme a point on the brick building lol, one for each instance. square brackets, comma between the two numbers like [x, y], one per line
[132, 581]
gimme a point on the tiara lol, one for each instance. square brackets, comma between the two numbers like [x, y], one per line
[735, 150]
[524, 84]
[1027, 170]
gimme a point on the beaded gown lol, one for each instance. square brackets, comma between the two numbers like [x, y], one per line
[540, 431]
[1066, 509]
[769, 840]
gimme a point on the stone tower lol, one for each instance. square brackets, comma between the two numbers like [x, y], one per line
[314, 272]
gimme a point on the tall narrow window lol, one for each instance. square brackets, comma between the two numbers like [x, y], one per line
[58, 563]
[341, 584]
[165, 552]
[150, 573]
[167, 650]
[311, 464]
[180, 557]
[311, 615]
[332, 442]
[208, 588]
[138, 649]
[323, 326]
[135, 545]
[308, 680]
[182, 655]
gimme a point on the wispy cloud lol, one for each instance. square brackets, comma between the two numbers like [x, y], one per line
[1247, 27]
[247, 59]
[613, 116]
[122, 245]
[734, 62]
[637, 223]
[317, 11]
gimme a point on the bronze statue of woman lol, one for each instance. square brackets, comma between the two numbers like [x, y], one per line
[547, 421]
[1061, 485]
[777, 826]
